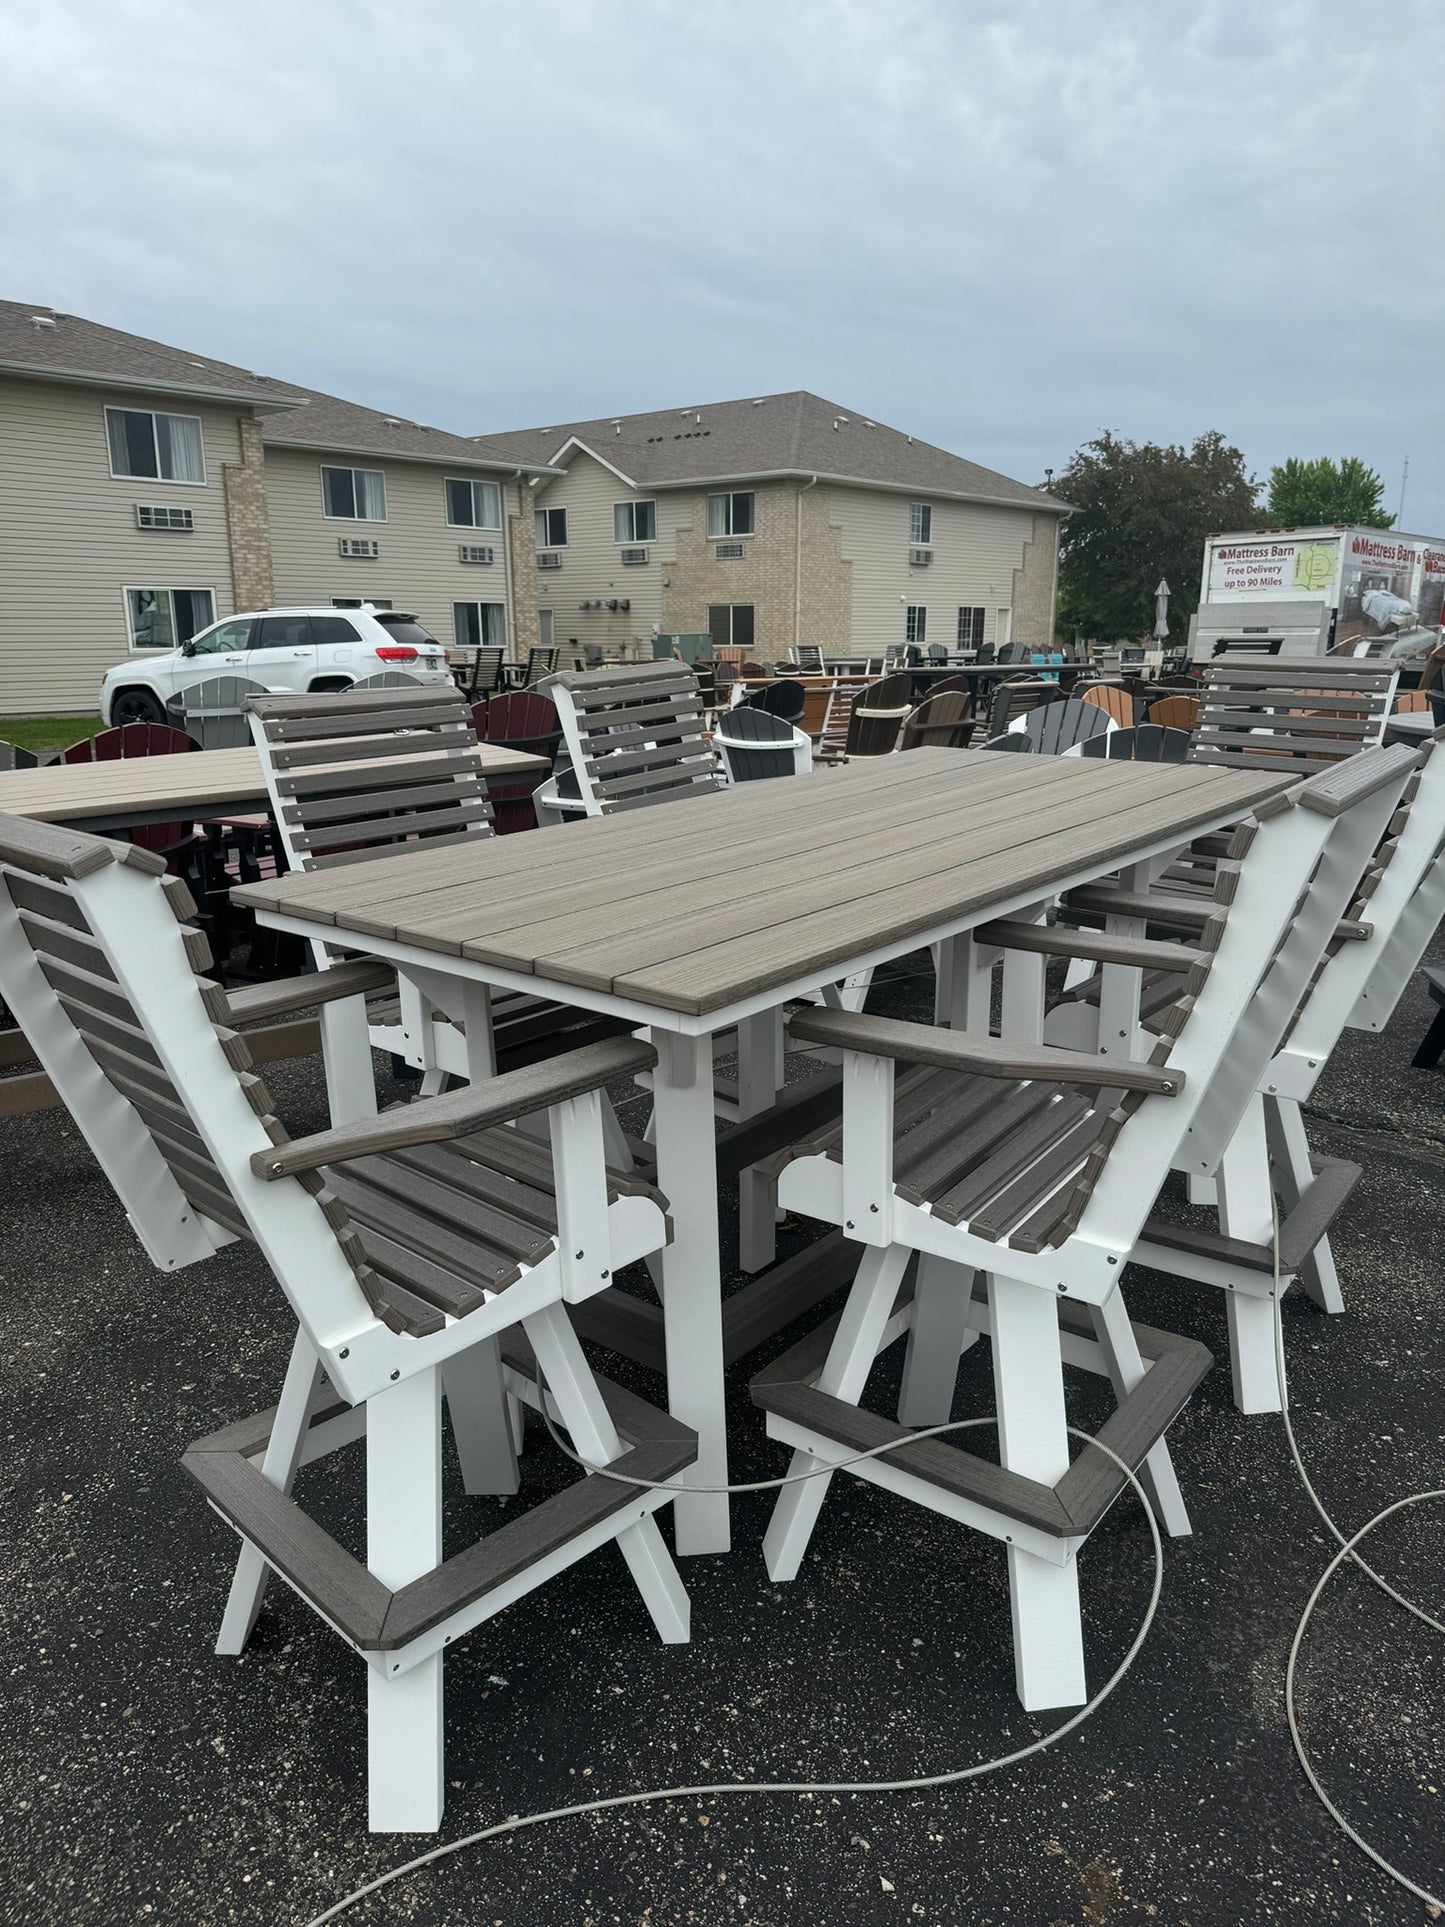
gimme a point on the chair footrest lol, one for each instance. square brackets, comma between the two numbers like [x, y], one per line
[1070, 1509]
[1311, 1219]
[372, 1616]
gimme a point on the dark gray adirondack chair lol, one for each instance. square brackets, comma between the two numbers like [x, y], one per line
[212, 712]
[1312, 710]
[878, 715]
[755, 744]
[1014, 699]
[944, 721]
[784, 699]
[1054, 727]
[1145, 743]
[13, 758]
[1012, 739]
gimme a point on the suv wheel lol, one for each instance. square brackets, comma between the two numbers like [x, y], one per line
[330, 684]
[135, 706]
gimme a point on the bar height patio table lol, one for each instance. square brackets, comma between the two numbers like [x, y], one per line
[716, 911]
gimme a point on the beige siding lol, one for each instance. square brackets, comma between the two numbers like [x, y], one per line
[976, 550]
[69, 544]
[591, 569]
[417, 568]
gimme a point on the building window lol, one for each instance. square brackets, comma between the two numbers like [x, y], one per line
[163, 448]
[360, 602]
[920, 524]
[479, 625]
[474, 505]
[970, 628]
[354, 494]
[165, 618]
[729, 515]
[730, 625]
[916, 628]
[551, 528]
[634, 522]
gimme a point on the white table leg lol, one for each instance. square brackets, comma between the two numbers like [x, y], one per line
[757, 1091]
[692, 1285]
[1244, 1188]
[346, 1055]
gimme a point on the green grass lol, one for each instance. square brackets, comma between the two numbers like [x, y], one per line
[46, 732]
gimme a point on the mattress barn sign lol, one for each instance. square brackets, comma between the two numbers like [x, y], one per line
[1336, 566]
[1291, 567]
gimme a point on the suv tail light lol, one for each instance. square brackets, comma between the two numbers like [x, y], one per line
[395, 652]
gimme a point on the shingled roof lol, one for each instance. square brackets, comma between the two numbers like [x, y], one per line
[64, 347]
[794, 434]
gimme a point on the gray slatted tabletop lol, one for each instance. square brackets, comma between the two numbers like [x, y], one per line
[699, 915]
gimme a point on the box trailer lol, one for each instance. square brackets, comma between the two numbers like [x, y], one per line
[1305, 592]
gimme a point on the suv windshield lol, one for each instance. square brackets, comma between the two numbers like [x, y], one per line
[406, 629]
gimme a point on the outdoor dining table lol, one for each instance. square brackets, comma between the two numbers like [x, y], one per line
[129, 792]
[715, 912]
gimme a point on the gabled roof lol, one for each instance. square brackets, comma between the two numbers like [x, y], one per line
[794, 434]
[63, 347]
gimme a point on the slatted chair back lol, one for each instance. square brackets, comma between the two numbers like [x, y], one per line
[1016, 698]
[1174, 712]
[807, 656]
[1115, 702]
[386, 679]
[540, 662]
[138, 739]
[1311, 710]
[481, 670]
[12, 757]
[943, 721]
[1411, 702]
[634, 735]
[1013, 740]
[785, 699]
[352, 775]
[876, 719]
[1144, 743]
[211, 713]
[754, 744]
[520, 720]
[1055, 727]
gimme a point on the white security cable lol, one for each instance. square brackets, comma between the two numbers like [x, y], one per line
[519, 1821]
[1346, 1551]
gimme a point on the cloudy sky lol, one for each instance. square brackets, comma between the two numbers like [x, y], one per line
[1002, 225]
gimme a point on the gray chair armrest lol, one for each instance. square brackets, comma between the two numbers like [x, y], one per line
[278, 999]
[964, 1050]
[495, 1100]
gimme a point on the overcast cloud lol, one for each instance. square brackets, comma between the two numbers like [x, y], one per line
[1002, 225]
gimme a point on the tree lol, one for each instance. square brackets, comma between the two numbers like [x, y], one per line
[1141, 512]
[1305, 495]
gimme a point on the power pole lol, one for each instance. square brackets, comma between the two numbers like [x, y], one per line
[1404, 477]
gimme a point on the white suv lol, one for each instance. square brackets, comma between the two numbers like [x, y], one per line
[285, 650]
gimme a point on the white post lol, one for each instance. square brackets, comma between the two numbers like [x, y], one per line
[346, 1054]
[1245, 1193]
[481, 1424]
[758, 1039]
[403, 1541]
[1290, 1150]
[938, 1336]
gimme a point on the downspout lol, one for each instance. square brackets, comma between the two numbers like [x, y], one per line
[511, 571]
[811, 482]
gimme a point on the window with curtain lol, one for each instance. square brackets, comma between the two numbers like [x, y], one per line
[970, 628]
[474, 505]
[920, 524]
[634, 521]
[730, 514]
[479, 625]
[916, 627]
[354, 494]
[165, 618]
[157, 448]
[551, 528]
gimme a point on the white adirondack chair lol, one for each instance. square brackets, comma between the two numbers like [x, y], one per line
[987, 1159]
[634, 736]
[428, 1251]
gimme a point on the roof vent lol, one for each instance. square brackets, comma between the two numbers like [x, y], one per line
[395, 421]
[840, 421]
[759, 401]
[42, 321]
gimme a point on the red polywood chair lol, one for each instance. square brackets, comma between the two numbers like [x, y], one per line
[520, 720]
[170, 840]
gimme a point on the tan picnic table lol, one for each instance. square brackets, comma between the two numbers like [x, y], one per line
[135, 790]
[710, 914]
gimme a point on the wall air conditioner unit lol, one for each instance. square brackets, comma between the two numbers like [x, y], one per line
[920, 558]
[625, 603]
[476, 552]
[612, 605]
[356, 546]
[632, 558]
[729, 551]
[549, 561]
[163, 518]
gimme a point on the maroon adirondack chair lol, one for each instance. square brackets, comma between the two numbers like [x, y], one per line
[174, 841]
[522, 720]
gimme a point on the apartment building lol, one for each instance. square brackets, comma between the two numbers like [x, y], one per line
[146, 491]
[769, 522]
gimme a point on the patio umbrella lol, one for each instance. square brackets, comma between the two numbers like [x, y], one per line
[1161, 610]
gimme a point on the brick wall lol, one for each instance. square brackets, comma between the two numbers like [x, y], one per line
[522, 563]
[765, 577]
[825, 578]
[247, 529]
[1033, 585]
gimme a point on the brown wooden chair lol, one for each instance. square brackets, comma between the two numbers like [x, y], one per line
[1113, 700]
[1174, 712]
[1411, 702]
